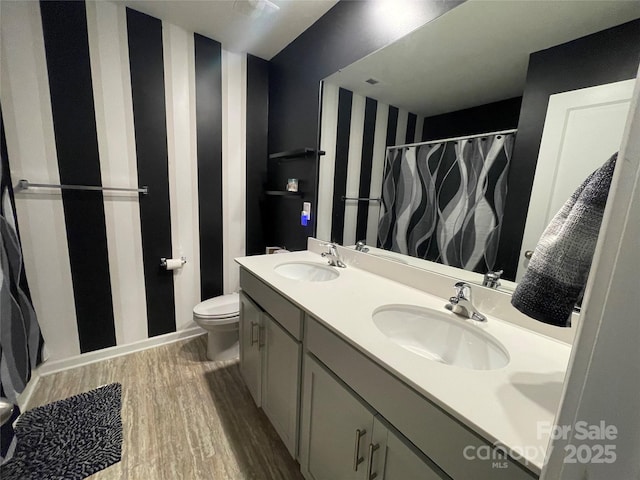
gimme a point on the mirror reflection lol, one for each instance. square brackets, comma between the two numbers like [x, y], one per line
[414, 165]
[443, 201]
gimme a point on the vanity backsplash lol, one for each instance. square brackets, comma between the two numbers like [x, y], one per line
[490, 301]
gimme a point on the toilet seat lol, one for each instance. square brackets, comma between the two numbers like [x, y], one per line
[219, 310]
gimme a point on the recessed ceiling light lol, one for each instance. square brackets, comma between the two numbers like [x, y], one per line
[372, 81]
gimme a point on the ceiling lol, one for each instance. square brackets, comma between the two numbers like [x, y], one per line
[251, 26]
[476, 53]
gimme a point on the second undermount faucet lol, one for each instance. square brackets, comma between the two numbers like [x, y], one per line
[461, 303]
[492, 279]
[362, 247]
[332, 255]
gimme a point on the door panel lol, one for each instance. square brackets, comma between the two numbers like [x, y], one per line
[331, 418]
[396, 459]
[250, 354]
[582, 129]
[281, 368]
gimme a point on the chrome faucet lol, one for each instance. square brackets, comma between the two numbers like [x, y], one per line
[361, 247]
[332, 255]
[461, 304]
[492, 279]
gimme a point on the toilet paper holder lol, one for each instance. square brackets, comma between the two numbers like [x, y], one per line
[163, 261]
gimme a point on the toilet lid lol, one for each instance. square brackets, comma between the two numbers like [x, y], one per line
[224, 306]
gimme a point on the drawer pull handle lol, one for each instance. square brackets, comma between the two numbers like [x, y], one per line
[372, 449]
[253, 338]
[357, 459]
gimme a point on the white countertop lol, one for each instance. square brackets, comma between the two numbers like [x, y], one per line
[505, 405]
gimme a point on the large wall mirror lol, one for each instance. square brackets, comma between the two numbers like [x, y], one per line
[493, 113]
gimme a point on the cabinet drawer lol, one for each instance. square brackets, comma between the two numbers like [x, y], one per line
[281, 309]
[441, 437]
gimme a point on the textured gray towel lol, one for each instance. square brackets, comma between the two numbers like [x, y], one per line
[559, 267]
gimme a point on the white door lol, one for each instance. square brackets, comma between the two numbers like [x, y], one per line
[582, 129]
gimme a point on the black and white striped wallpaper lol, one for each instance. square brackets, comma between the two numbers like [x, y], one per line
[94, 93]
[355, 131]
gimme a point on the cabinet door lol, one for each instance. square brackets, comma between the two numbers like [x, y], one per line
[392, 457]
[281, 374]
[336, 428]
[250, 350]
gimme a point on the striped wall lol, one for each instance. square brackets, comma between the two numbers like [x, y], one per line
[354, 133]
[94, 93]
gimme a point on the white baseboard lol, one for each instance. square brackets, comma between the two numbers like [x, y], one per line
[53, 366]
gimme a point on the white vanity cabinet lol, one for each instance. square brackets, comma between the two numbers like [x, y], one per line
[271, 355]
[341, 437]
[344, 415]
[433, 431]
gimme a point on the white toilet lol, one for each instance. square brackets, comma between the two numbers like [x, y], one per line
[219, 317]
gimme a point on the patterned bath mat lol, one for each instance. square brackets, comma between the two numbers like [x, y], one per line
[69, 439]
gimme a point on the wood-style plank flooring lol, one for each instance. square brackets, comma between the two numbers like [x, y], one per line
[183, 417]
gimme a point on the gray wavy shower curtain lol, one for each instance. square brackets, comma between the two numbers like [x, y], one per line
[20, 338]
[444, 202]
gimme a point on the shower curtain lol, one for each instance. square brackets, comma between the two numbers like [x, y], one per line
[20, 338]
[445, 201]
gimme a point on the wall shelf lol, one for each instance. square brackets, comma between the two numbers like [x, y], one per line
[283, 222]
[282, 193]
[295, 154]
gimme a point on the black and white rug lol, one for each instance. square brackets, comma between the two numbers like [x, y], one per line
[69, 439]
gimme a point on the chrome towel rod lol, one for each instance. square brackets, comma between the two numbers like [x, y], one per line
[358, 199]
[26, 185]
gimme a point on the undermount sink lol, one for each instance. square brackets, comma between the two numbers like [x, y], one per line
[309, 272]
[440, 336]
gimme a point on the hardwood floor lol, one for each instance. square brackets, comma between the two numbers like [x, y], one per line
[183, 417]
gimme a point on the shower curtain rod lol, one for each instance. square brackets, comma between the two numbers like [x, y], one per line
[429, 142]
